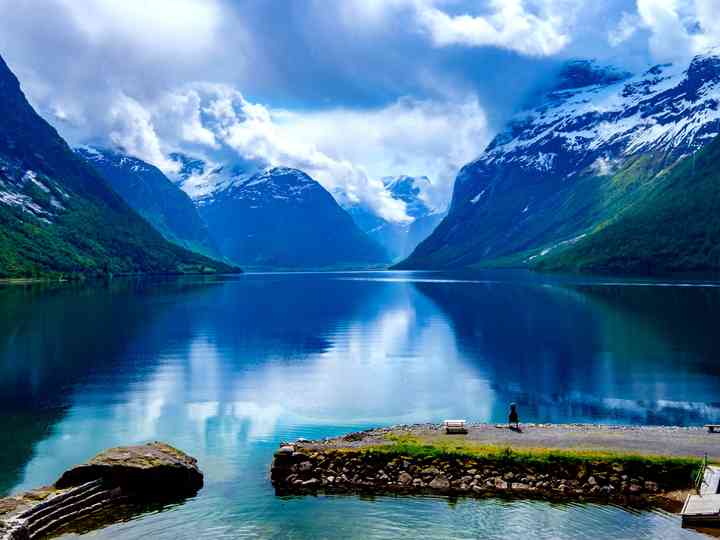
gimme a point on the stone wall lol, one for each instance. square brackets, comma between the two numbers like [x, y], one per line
[300, 469]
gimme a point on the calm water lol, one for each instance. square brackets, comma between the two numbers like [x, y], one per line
[227, 368]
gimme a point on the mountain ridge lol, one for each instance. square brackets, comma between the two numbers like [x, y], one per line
[281, 218]
[573, 161]
[59, 217]
[154, 196]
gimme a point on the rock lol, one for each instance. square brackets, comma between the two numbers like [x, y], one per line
[440, 483]
[634, 488]
[305, 466]
[519, 486]
[404, 478]
[88, 495]
[285, 451]
[500, 484]
[434, 471]
[591, 481]
[310, 483]
[154, 470]
[651, 486]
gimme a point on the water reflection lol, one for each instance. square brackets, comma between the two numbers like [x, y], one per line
[227, 368]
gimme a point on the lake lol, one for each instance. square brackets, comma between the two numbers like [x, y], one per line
[225, 368]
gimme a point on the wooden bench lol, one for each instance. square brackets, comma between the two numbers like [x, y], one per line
[712, 428]
[455, 426]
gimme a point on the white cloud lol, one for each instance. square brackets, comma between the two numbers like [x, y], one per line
[627, 26]
[677, 29]
[132, 129]
[126, 71]
[669, 37]
[415, 137]
[155, 28]
[509, 25]
[347, 151]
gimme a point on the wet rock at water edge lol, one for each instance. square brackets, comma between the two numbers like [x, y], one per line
[113, 485]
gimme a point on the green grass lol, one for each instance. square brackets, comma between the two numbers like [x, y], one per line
[414, 447]
[678, 472]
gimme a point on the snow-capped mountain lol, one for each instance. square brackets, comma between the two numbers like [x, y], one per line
[149, 192]
[202, 180]
[399, 239]
[280, 218]
[574, 162]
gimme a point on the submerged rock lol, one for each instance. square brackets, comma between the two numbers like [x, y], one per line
[124, 477]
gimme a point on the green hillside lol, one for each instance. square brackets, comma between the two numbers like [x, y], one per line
[58, 216]
[673, 225]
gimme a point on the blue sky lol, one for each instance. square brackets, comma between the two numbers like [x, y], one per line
[349, 90]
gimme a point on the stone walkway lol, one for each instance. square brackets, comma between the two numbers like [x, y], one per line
[671, 441]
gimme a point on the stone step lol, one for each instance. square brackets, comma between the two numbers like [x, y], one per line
[65, 519]
[66, 511]
[52, 502]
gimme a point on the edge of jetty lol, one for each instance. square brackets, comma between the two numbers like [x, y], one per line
[112, 486]
[633, 466]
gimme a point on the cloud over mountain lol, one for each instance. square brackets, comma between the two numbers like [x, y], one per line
[350, 91]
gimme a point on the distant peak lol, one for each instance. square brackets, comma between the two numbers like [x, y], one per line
[288, 173]
[409, 189]
[583, 73]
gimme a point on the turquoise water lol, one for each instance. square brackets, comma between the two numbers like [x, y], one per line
[226, 368]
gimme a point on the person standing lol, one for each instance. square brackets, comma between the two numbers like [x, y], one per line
[513, 419]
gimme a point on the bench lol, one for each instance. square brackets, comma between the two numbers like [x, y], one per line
[712, 428]
[455, 426]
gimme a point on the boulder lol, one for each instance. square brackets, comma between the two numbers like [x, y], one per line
[500, 484]
[440, 482]
[89, 495]
[155, 470]
[404, 478]
[305, 466]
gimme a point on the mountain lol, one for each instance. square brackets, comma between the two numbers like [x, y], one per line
[203, 181]
[277, 218]
[675, 226]
[58, 216]
[150, 193]
[598, 148]
[399, 239]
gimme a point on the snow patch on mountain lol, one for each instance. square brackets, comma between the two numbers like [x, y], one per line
[30, 192]
[666, 108]
[203, 180]
[476, 198]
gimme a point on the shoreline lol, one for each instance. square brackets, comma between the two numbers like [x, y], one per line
[632, 466]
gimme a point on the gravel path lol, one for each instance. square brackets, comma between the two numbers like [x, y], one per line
[675, 441]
